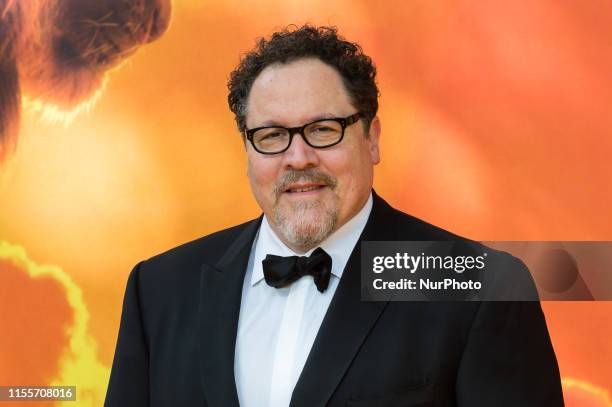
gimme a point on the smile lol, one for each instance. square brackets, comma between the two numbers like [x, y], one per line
[304, 189]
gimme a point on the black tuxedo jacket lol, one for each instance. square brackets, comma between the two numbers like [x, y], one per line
[180, 317]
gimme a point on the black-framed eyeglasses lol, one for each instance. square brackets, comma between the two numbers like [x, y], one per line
[318, 134]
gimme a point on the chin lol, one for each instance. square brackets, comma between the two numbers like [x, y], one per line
[306, 225]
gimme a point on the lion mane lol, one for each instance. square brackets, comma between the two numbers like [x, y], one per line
[59, 51]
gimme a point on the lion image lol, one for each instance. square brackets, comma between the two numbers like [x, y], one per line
[59, 51]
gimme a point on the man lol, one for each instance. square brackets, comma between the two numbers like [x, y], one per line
[227, 320]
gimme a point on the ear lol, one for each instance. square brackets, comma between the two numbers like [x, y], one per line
[373, 139]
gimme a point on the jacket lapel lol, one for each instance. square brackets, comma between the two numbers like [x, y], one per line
[346, 324]
[220, 296]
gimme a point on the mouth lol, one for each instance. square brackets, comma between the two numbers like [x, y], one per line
[304, 189]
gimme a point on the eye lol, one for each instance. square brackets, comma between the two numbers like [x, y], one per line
[272, 136]
[322, 129]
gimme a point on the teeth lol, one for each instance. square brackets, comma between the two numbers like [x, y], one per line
[306, 189]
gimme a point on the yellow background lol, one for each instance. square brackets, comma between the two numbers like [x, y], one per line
[496, 126]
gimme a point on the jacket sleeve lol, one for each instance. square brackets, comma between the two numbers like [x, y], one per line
[509, 360]
[129, 379]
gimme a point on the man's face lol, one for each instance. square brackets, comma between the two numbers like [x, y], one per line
[305, 192]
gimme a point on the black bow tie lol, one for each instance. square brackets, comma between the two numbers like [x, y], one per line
[281, 271]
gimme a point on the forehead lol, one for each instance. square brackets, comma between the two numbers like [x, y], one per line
[296, 92]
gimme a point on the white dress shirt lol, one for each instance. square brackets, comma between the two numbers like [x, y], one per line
[277, 326]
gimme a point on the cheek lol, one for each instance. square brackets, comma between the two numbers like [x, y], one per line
[341, 166]
[262, 175]
[353, 174]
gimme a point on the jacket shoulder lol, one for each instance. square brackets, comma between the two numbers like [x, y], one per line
[408, 227]
[180, 262]
[509, 277]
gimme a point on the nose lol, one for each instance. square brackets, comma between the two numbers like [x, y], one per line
[300, 155]
[160, 15]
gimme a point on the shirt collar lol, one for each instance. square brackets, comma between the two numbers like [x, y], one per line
[339, 245]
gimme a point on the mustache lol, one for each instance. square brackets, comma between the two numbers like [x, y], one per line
[308, 175]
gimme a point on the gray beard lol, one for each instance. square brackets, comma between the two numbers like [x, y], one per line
[304, 227]
[305, 224]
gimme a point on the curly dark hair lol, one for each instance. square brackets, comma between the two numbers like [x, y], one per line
[356, 69]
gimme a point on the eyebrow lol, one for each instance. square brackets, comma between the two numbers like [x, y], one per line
[272, 123]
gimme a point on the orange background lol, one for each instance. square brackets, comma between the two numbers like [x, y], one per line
[496, 126]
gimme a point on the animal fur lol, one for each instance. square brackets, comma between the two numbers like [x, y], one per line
[59, 51]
